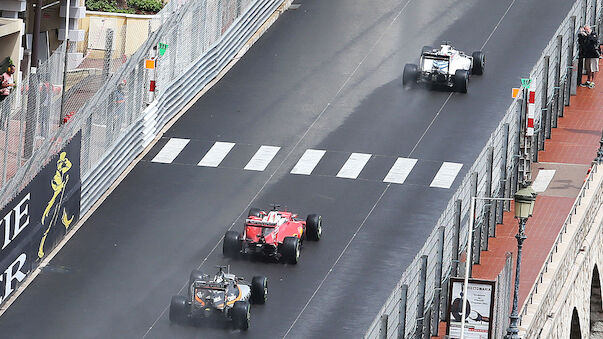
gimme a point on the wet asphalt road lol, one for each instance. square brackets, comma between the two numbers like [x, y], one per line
[325, 76]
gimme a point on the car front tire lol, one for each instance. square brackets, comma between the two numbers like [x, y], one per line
[479, 63]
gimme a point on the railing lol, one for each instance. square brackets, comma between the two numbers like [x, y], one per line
[416, 306]
[568, 257]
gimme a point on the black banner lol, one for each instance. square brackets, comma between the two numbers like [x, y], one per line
[38, 218]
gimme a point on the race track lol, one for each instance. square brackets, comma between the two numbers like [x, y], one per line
[326, 76]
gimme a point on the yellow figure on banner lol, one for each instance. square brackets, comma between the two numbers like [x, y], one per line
[58, 184]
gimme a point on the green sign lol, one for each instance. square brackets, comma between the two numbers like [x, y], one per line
[162, 48]
[525, 83]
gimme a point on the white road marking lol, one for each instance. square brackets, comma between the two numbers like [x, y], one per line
[262, 158]
[170, 151]
[446, 175]
[216, 154]
[308, 161]
[354, 165]
[400, 170]
[543, 179]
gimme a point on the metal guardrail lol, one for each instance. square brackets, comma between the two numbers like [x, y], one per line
[174, 96]
[410, 311]
[568, 257]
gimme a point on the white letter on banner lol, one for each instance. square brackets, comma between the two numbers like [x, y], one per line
[18, 275]
[7, 223]
[20, 213]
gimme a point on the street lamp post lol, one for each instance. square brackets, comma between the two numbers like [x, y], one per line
[469, 259]
[524, 207]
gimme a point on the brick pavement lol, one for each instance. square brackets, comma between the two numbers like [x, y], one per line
[570, 151]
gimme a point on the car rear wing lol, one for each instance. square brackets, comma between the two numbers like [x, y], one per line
[209, 286]
[435, 56]
[260, 223]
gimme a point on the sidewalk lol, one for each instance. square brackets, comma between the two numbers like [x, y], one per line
[569, 153]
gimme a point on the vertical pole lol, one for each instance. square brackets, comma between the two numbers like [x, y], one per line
[383, 327]
[66, 61]
[557, 88]
[402, 312]
[437, 298]
[109, 105]
[475, 244]
[455, 241]
[513, 330]
[35, 41]
[467, 268]
[421, 297]
[535, 143]
[489, 230]
[33, 105]
[427, 323]
[546, 111]
[572, 73]
[503, 192]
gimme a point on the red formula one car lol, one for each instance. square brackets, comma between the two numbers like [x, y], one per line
[277, 234]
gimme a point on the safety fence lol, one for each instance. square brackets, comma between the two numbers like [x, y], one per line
[419, 300]
[118, 103]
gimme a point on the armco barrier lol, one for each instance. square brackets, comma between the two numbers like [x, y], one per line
[172, 99]
[497, 171]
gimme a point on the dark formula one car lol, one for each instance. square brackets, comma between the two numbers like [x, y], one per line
[445, 67]
[277, 234]
[223, 296]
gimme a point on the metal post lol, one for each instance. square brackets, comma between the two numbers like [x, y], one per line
[383, 327]
[455, 238]
[35, 41]
[427, 323]
[437, 298]
[545, 100]
[109, 105]
[475, 244]
[557, 88]
[513, 330]
[33, 105]
[584, 9]
[535, 145]
[571, 71]
[421, 297]
[467, 267]
[489, 230]
[503, 175]
[66, 62]
[402, 312]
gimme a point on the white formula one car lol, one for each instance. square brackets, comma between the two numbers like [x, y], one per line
[445, 66]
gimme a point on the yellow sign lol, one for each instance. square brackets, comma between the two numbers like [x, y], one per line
[516, 92]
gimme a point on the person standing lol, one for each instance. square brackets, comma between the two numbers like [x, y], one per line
[581, 48]
[591, 55]
[7, 83]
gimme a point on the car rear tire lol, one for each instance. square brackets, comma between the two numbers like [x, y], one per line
[314, 227]
[254, 212]
[178, 309]
[259, 290]
[290, 250]
[240, 315]
[231, 247]
[410, 75]
[479, 62]
[461, 80]
[427, 49]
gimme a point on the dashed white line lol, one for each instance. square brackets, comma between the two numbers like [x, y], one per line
[170, 150]
[306, 164]
[216, 154]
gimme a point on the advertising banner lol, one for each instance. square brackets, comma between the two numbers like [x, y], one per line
[479, 308]
[37, 219]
